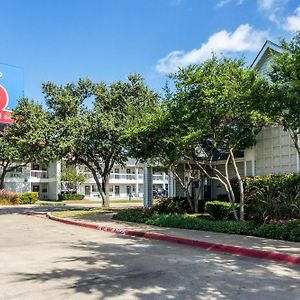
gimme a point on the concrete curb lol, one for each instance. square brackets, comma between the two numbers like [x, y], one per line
[236, 250]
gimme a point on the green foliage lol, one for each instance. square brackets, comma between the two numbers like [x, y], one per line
[138, 215]
[177, 205]
[273, 197]
[209, 114]
[28, 197]
[220, 210]
[10, 198]
[284, 231]
[96, 137]
[62, 197]
[72, 178]
[281, 101]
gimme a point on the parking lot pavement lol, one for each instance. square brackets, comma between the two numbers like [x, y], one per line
[42, 259]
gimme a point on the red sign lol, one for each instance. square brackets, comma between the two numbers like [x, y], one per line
[5, 115]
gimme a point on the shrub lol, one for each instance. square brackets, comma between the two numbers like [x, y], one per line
[28, 198]
[271, 197]
[138, 215]
[62, 197]
[220, 210]
[8, 198]
[177, 205]
[287, 230]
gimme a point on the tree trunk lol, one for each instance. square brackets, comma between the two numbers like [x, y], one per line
[2, 177]
[295, 139]
[105, 188]
[241, 187]
[98, 184]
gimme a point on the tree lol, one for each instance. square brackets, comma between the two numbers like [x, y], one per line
[26, 140]
[72, 178]
[282, 105]
[209, 117]
[8, 155]
[95, 137]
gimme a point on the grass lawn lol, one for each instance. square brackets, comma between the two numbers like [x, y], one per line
[86, 202]
[79, 213]
[126, 201]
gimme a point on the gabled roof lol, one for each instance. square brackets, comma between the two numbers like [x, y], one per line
[264, 51]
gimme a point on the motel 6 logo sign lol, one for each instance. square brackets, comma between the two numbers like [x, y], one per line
[11, 90]
[5, 115]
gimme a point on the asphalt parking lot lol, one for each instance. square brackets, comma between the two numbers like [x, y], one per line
[42, 259]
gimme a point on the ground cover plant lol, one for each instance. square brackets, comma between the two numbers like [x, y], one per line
[289, 231]
[62, 197]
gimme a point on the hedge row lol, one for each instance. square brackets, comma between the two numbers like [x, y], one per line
[289, 231]
[62, 197]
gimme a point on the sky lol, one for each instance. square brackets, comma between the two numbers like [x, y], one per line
[105, 40]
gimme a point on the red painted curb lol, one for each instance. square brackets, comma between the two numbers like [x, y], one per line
[236, 250]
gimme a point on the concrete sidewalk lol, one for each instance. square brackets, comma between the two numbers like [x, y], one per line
[104, 221]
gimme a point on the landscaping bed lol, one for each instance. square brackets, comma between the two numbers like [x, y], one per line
[289, 230]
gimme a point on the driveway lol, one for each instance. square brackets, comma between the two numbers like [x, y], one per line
[42, 259]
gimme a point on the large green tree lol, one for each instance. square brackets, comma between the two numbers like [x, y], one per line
[94, 136]
[208, 118]
[26, 140]
[282, 105]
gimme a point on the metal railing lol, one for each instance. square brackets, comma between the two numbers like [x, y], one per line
[131, 177]
[39, 174]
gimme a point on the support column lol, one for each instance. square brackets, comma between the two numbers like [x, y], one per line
[164, 180]
[136, 180]
[148, 186]
[171, 190]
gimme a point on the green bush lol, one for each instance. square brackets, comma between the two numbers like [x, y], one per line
[138, 215]
[29, 197]
[220, 210]
[273, 197]
[289, 230]
[62, 197]
[177, 205]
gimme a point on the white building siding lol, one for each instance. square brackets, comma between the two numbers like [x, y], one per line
[274, 152]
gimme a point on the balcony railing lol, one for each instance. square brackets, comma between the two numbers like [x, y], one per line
[119, 176]
[39, 174]
[131, 177]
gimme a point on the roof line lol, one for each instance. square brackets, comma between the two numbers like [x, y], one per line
[262, 48]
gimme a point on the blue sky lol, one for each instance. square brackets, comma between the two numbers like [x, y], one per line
[62, 40]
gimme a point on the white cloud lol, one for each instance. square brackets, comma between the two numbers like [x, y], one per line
[244, 38]
[292, 23]
[266, 4]
[222, 3]
[273, 9]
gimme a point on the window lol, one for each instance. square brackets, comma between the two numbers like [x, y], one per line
[19, 170]
[94, 188]
[35, 167]
[249, 171]
[128, 189]
[117, 190]
[117, 171]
